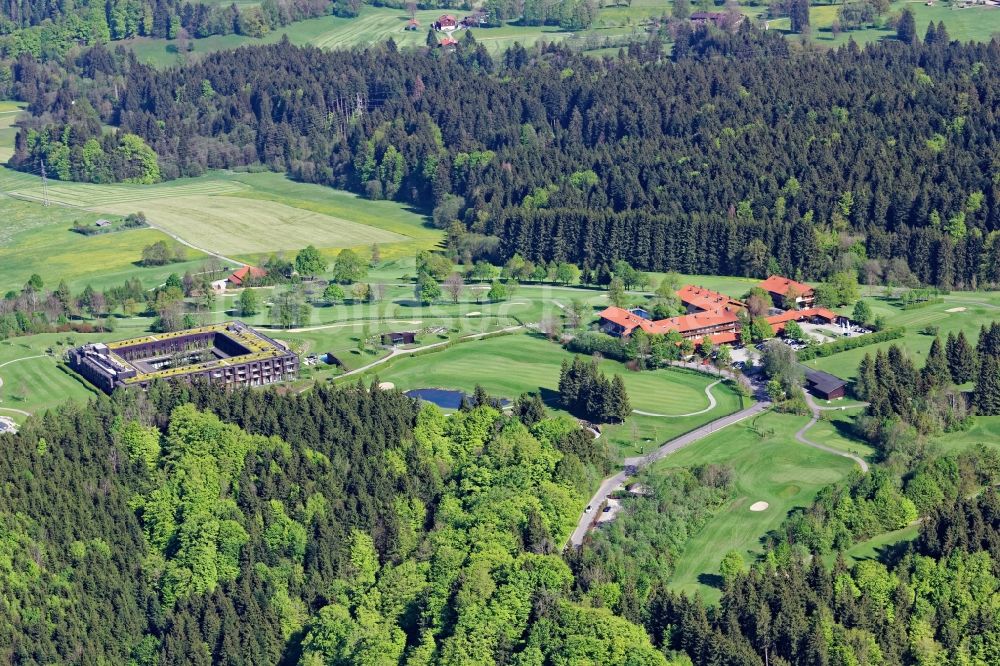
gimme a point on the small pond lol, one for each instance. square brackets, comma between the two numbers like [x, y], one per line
[443, 398]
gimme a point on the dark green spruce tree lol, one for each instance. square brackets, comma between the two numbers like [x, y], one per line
[961, 358]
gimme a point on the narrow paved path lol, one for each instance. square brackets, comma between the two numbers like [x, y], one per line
[195, 247]
[16, 411]
[711, 405]
[801, 435]
[323, 327]
[632, 465]
[23, 358]
[400, 352]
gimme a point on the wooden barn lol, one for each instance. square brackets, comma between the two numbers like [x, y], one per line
[824, 385]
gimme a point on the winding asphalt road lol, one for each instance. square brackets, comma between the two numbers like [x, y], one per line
[632, 465]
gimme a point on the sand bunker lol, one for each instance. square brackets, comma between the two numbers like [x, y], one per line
[473, 314]
[955, 310]
[386, 386]
[758, 506]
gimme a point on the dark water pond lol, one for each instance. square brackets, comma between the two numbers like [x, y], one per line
[443, 398]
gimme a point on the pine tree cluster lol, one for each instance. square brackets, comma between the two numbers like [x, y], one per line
[587, 393]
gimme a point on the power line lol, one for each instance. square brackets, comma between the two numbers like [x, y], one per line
[45, 187]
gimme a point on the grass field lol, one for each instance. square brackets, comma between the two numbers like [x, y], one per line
[232, 225]
[969, 24]
[775, 469]
[834, 430]
[246, 216]
[9, 112]
[36, 239]
[877, 547]
[980, 308]
[378, 24]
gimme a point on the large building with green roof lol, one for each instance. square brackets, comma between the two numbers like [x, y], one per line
[231, 353]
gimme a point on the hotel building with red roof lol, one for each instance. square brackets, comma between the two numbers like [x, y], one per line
[711, 314]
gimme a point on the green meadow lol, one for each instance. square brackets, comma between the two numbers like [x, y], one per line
[375, 25]
[972, 23]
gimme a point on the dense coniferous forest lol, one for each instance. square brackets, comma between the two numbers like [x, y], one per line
[735, 157]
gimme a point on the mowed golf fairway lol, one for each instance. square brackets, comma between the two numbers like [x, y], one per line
[37, 384]
[513, 364]
[959, 312]
[775, 469]
[510, 365]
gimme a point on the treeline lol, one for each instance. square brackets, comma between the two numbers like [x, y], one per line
[906, 404]
[48, 30]
[883, 169]
[35, 309]
[926, 602]
[83, 152]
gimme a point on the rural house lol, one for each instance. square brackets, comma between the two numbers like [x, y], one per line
[246, 274]
[788, 294]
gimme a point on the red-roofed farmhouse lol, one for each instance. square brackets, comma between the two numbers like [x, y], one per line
[246, 274]
[788, 294]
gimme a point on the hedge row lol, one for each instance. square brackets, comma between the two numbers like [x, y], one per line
[589, 342]
[921, 304]
[831, 348]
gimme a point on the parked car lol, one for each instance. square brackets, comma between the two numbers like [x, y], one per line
[587, 510]
[607, 509]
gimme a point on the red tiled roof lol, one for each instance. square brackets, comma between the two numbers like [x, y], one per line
[781, 285]
[779, 321]
[698, 320]
[723, 338]
[241, 274]
[447, 19]
[448, 41]
[705, 299]
[629, 321]
[682, 324]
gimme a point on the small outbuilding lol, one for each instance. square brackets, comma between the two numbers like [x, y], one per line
[102, 223]
[412, 24]
[824, 385]
[399, 338]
